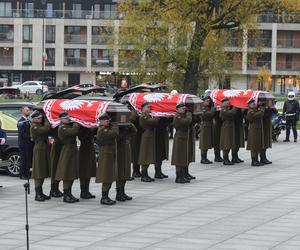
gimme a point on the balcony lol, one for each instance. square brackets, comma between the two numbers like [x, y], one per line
[75, 39]
[275, 18]
[258, 64]
[6, 60]
[288, 43]
[234, 42]
[288, 65]
[75, 62]
[101, 40]
[260, 42]
[104, 62]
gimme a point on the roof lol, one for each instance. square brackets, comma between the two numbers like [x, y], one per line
[16, 104]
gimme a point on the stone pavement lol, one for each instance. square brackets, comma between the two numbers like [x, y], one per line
[237, 207]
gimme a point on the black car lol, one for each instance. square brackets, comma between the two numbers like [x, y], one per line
[9, 115]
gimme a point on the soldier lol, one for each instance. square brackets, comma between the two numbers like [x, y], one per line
[267, 130]
[161, 146]
[239, 135]
[54, 157]
[67, 168]
[107, 165]
[135, 144]
[147, 148]
[183, 152]
[227, 138]
[87, 161]
[41, 159]
[206, 130]
[255, 135]
[124, 160]
[217, 124]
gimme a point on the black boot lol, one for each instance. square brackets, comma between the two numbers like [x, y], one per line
[145, 176]
[105, 200]
[128, 198]
[255, 162]
[136, 171]
[236, 159]
[85, 192]
[54, 192]
[179, 178]
[68, 197]
[263, 158]
[218, 157]
[204, 159]
[119, 195]
[158, 173]
[46, 197]
[226, 161]
[187, 175]
[38, 194]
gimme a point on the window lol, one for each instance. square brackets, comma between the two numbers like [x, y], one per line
[97, 11]
[10, 117]
[29, 9]
[50, 57]
[6, 33]
[5, 9]
[50, 34]
[27, 33]
[109, 11]
[289, 61]
[289, 39]
[102, 57]
[49, 11]
[27, 56]
[76, 10]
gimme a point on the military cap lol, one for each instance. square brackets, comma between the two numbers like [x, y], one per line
[180, 105]
[36, 115]
[64, 115]
[225, 99]
[144, 104]
[104, 117]
[251, 101]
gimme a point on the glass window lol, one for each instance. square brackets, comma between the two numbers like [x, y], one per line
[9, 118]
[289, 61]
[27, 33]
[76, 10]
[49, 11]
[5, 9]
[27, 56]
[50, 56]
[29, 9]
[50, 34]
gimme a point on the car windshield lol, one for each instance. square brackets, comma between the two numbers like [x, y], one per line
[9, 118]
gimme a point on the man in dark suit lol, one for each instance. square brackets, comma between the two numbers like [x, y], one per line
[25, 143]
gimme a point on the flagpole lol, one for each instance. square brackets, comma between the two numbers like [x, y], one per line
[43, 46]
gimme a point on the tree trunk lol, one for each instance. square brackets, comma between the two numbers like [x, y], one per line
[191, 77]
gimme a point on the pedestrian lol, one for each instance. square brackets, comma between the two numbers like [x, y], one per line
[206, 130]
[255, 134]
[67, 168]
[25, 144]
[267, 130]
[41, 159]
[183, 152]
[227, 137]
[291, 111]
[87, 161]
[239, 135]
[107, 164]
[124, 161]
[148, 145]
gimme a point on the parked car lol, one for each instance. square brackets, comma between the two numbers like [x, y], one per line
[9, 115]
[32, 87]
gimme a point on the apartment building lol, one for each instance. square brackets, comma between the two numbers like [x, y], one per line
[76, 41]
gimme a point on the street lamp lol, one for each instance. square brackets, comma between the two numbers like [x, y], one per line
[43, 44]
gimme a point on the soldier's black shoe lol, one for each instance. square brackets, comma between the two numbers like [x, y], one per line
[136, 174]
[131, 178]
[68, 197]
[86, 195]
[179, 178]
[219, 159]
[265, 162]
[227, 163]
[286, 140]
[187, 175]
[206, 161]
[158, 173]
[38, 194]
[55, 192]
[74, 198]
[46, 197]
[237, 160]
[295, 140]
[256, 164]
[147, 179]
[128, 198]
[105, 200]
[119, 195]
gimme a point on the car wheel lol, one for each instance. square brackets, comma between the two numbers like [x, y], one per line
[39, 92]
[14, 167]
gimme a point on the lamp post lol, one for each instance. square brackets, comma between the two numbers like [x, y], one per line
[43, 44]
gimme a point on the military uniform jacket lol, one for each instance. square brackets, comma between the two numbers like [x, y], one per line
[147, 153]
[162, 140]
[217, 124]
[40, 158]
[124, 152]
[54, 152]
[87, 155]
[135, 140]
[67, 168]
[239, 129]
[183, 152]
[255, 134]
[227, 138]
[107, 165]
[267, 127]
[206, 129]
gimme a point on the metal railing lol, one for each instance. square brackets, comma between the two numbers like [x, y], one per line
[258, 64]
[278, 18]
[6, 60]
[68, 14]
[76, 39]
[260, 41]
[288, 66]
[75, 62]
[288, 43]
[108, 62]
[101, 40]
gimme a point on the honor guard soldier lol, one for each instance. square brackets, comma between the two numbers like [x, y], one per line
[107, 165]
[217, 134]
[267, 130]
[124, 160]
[87, 161]
[67, 168]
[255, 134]
[227, 138]
[41, 160]
[239, 135]
[206, 130]
[147, 148]
[183, 152]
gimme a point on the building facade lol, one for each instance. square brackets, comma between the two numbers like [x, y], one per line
[76, 40]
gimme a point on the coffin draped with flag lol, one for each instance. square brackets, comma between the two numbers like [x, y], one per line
[240, 98]
[163, 104]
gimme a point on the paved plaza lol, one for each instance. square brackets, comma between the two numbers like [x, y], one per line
[236, 207]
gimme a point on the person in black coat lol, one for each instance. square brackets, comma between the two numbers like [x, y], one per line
[2, 141]
[24, 142]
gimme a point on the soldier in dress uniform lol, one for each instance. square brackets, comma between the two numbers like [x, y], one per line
[267, 129]
[217, 124]
[107, 165]
[124, 160]
[147, 147]
[255, 134]
[239, 135]
[135, 144]
[206, 130]
[183, 152]
[41, 160]
[227, 138]
[54, 157]
[67, 168]
[87, 161]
